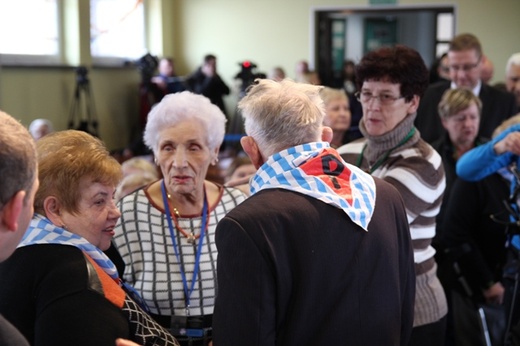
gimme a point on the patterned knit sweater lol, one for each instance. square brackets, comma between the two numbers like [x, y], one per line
[144, 242]
[416, 170]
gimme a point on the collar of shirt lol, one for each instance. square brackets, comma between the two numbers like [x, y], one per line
[475, 90]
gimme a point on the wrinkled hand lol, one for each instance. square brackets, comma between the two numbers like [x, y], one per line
[124, 342]
[494, 294]
[511, 143]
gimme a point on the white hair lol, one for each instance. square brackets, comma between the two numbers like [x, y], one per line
[280, 115]
[37, 123]
[178, 107]
[513, 60]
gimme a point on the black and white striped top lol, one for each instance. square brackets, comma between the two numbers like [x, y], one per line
[144, 242]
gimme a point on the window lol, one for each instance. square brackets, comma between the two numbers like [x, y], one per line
[444, 33]
[34, 39]
[117, 30]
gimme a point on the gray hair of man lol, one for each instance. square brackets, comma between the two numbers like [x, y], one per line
[280, 115]
[513, 60]
[18, 161]
[185, 106]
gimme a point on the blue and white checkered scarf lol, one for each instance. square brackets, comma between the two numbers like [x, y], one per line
[42, 231]
[318, 171]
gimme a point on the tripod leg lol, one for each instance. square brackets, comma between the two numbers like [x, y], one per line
[75, 104]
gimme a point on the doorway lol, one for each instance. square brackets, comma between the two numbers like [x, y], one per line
[347, 33]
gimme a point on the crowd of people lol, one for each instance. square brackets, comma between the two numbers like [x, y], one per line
[381, 210]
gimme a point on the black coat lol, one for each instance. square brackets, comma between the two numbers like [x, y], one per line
[467, 220]
[45, 292]
[213, 88]
[293, 270]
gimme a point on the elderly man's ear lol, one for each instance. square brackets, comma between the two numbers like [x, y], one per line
[11, 211]
[252, 150]
[326, 134]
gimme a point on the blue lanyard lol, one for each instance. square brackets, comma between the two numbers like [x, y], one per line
[187, 293]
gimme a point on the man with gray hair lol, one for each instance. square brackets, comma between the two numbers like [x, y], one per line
[320, 254]
[513, 77]
[18, 184]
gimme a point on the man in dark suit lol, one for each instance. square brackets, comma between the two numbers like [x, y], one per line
[465, 62]
[310, 258]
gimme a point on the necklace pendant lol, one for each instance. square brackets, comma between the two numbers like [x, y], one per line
[191, 238]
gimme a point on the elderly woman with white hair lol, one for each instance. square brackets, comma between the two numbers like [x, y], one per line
[40, 127]
[167, 229]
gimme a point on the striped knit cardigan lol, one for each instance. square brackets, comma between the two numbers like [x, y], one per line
[416, 170]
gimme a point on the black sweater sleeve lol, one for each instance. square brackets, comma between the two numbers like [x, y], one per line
[45, 293]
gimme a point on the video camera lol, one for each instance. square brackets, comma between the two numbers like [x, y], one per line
[147, 64]
[81, 75]
[247, 76]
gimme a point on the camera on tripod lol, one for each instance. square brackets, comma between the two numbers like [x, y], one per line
[247, 76]
[81, 75]
[147, 65]
[82, 115]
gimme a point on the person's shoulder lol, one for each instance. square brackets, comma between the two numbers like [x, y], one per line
[389, 205]
[48, 252]
[53, 256]
[433, 94]
[230, 197]
[356, 146]
[439, 143]
[424, 150]
[420, 160]
[234, 192]
[386, 191]
[62, 262]
[437, 88]
[495, 93]
[140, 198]
[266, 201]
[195, 74]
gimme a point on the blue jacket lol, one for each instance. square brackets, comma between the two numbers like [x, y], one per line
[482, 161]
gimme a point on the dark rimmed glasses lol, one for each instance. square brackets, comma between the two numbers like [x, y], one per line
[384, 99]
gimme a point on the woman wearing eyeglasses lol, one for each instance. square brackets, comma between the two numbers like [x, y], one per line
[391, 81]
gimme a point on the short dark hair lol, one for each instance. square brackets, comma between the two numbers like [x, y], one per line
[209, 57]
[398, 64]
